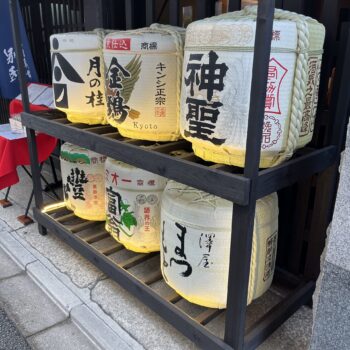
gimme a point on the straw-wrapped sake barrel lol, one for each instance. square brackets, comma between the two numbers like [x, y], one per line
[195, 245]
[133, 206]
[83, 180]
[78, 76]
[143, 81]
[217, 79]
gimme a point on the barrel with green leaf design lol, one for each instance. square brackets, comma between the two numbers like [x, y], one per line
[133, 206]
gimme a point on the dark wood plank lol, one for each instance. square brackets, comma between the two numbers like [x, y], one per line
[227, 185]
[152, 277]
[107, 246]
[102, 129]
[94, 237]
[320, 220]
[135, 260]
[174, 12]
[173, 297]
[65, 218]
[286, 174]
[208, 315]
[83, 226]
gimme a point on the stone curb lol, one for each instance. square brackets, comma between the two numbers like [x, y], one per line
[103, 336]
[16, 250]
[54, 288]
[104, 332]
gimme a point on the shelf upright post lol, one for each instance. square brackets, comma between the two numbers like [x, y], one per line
[129, 14]
[234, 5]
[149, 12]
[25, 101]
[174, 12]
[243, 216]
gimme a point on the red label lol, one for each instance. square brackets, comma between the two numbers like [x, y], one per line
[118, 44]
[275, 77]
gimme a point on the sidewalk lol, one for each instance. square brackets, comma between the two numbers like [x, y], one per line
[94, 304]
[39, 321]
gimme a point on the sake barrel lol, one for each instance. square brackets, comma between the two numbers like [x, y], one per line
[195, 245]
[143, 81]
[133, 206]
[78, 76]
[217, 79]
[83, 180]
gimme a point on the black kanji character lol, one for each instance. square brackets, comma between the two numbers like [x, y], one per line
[114, 71]
[91, 99]
[180, 251]
[116, 108]
[202, 118]
[77, 179]
[212, 75]
[161, 66]
[193, 68]
[95, 64]
[94, 83]
[99, 98]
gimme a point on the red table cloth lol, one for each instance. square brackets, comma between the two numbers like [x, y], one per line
[15, 152]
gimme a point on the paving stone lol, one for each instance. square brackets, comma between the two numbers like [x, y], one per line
[14, 248]
[65, 336]
[8, 267]
[9, 216]
[28, 306]
[80, 271]
[137, 319]
[294, 334]
[332, 321]
[10, 337]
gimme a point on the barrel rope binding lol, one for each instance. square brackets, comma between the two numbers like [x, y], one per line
[301, 70]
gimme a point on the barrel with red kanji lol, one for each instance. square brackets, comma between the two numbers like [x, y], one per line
[78, 76]
[143, 81]
[216, 86]
[83, 181]
[195, 245]
[133, 206]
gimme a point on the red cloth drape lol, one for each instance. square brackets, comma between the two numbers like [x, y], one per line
[15, 152]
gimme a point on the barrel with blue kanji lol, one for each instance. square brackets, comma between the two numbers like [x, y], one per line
[133, 201]
[83, 181]
[78, 76]
[195, 245]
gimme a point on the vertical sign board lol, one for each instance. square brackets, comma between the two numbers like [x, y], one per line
[9, 83]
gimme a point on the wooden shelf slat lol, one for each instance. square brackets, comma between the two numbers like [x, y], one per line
[208, 315]
[135, 260]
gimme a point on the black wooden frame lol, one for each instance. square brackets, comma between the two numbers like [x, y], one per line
[243, 189]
